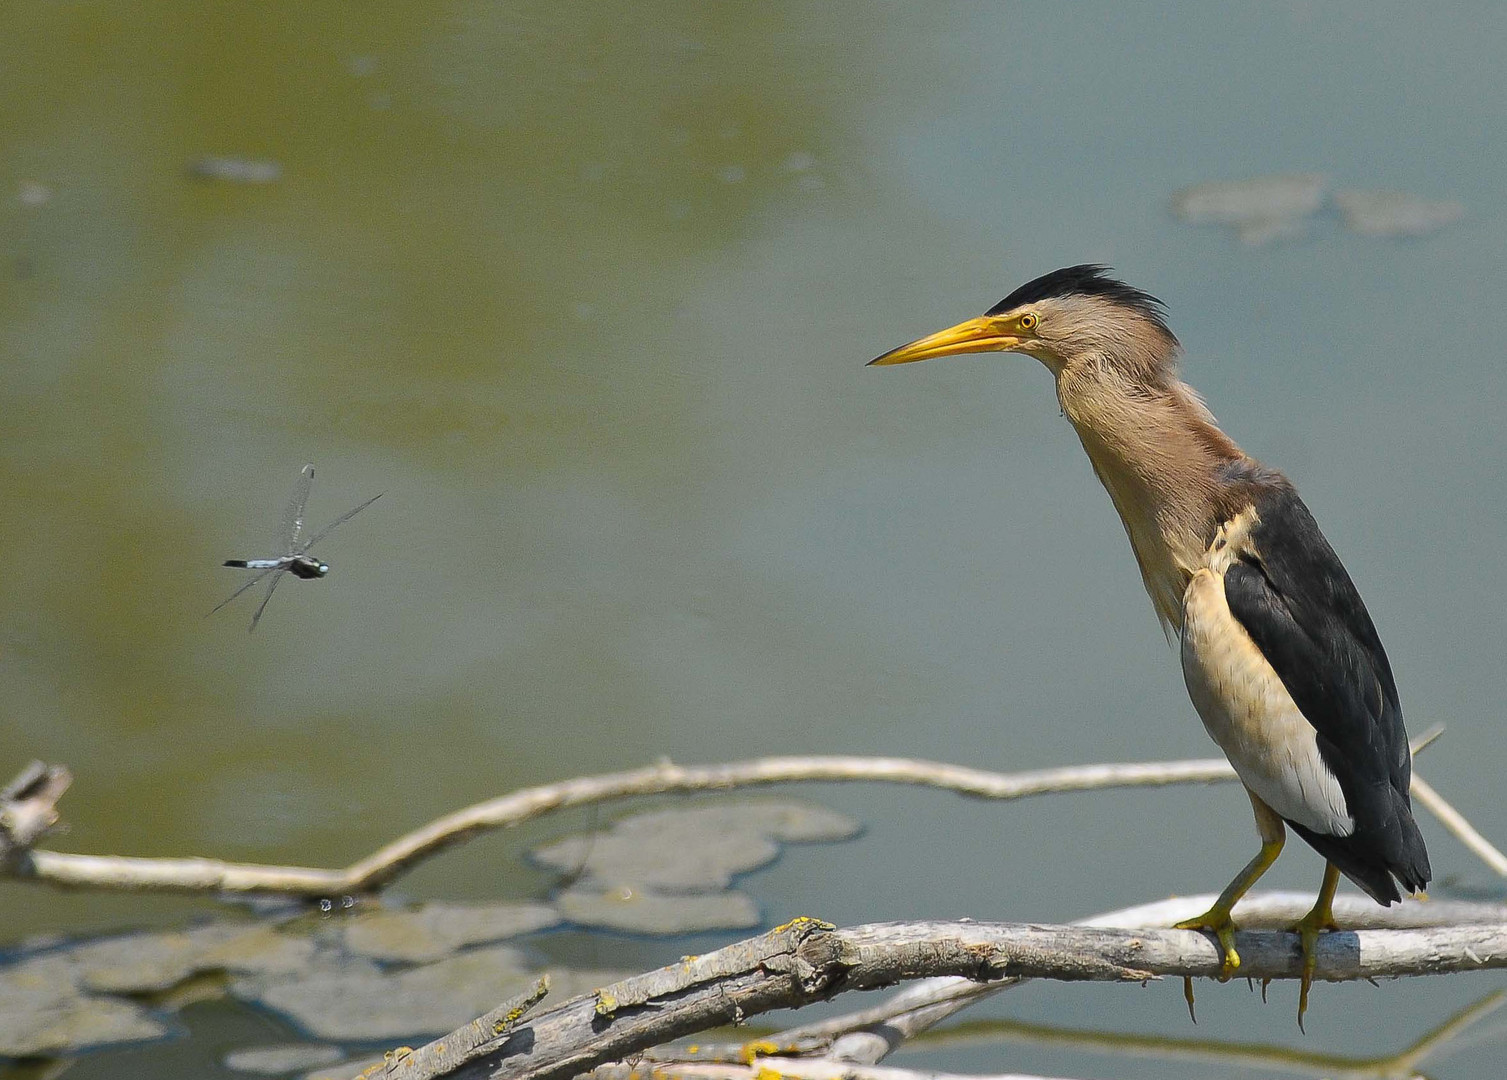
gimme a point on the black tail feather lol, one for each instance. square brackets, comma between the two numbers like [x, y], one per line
[1373, 858]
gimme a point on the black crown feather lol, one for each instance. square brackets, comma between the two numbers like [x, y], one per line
[1088, 279]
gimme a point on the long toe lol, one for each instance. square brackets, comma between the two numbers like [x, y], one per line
[1219, 923]
[1308, 930]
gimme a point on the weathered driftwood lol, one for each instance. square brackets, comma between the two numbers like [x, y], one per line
[806, 961]
[28, 808]
[869, 1035]
[391, 861]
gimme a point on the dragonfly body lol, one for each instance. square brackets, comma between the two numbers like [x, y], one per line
[300, 566]
[294, 545]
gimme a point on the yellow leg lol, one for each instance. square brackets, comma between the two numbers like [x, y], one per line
[1319, 919]
[1217, 918]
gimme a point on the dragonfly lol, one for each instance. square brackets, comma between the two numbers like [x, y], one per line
[294, 545]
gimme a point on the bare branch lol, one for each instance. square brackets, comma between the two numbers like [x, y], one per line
[381, 867]
[869, 1035]
[401, 855]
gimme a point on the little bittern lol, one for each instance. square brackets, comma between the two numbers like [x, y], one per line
[1278, 652]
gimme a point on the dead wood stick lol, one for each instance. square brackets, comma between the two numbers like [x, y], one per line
[869, 1035]
[806, 961]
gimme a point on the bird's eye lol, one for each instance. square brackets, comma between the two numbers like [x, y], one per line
[1028, 321]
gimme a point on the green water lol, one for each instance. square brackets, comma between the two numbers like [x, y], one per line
[586, 290]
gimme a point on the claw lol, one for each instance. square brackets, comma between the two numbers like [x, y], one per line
[1188, 997]
[1308, 928]
[1217, 918]
[1218, 922]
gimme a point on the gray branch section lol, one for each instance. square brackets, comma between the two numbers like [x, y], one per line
[807, 961]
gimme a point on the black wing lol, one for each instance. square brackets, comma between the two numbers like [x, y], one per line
[1292, 594]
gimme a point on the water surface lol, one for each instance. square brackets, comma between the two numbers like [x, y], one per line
[587, 289]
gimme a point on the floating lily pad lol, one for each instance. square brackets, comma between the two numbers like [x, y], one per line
[44, 1012]
[435, 931]
[1260, 209]
[145, 963]
[281, 1060]
[390, 976]
[693, 849]
[1395, 213]
[641, 911]
[360, 1001]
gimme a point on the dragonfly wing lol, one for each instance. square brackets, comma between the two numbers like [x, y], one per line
[322, 533]
[292, 523]
[252, 580]
[276, 577]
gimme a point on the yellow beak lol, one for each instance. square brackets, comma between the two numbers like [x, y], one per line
[983, 334]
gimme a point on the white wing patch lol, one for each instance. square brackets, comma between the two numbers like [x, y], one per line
[1248, 711]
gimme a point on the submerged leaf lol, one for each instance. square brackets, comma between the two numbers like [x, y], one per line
[146, 963]
[437, 930]
[696, 848]
[641, 911]
[361, 1001]
[44, 1012]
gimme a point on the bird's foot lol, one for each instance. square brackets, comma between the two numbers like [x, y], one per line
[1308, 929]
[1218, 922]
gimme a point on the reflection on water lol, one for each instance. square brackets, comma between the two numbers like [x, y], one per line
[1446, 1039]
[588, 289]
